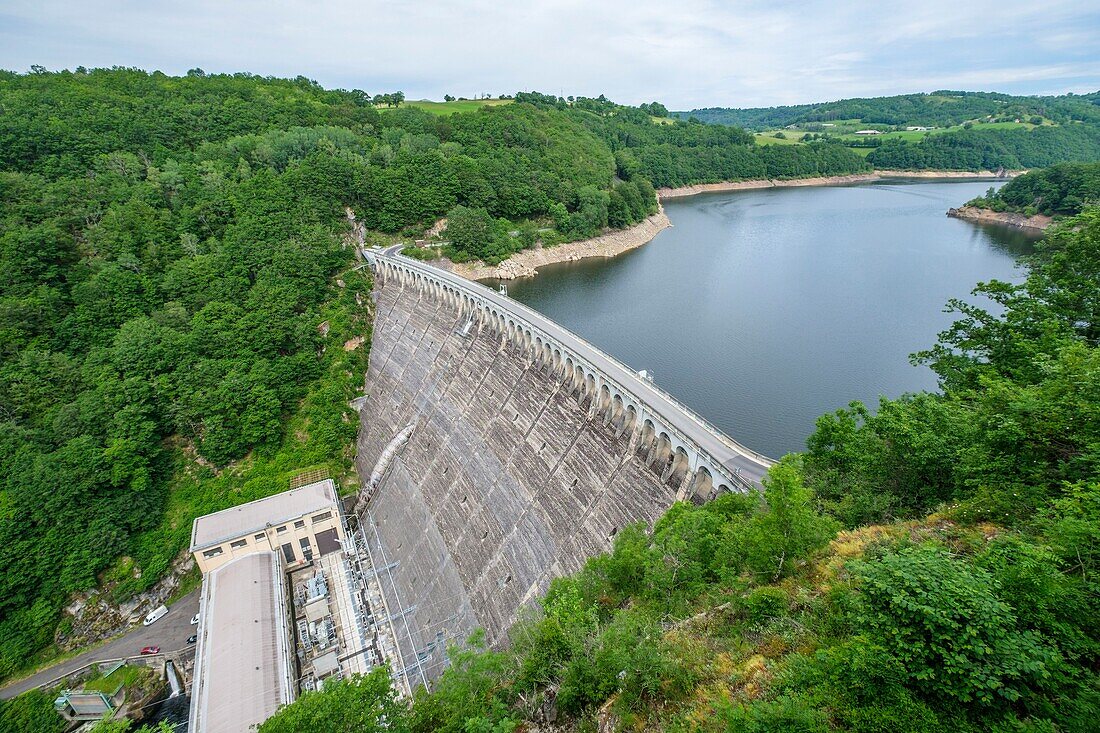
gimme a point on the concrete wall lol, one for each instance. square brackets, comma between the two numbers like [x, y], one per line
[519, 467]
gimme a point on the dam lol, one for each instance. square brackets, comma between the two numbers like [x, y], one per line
[497, 450]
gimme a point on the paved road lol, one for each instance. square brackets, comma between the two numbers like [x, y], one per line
[169, 633]
[735, 457]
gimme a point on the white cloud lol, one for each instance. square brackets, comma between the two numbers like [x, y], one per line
[688, 54]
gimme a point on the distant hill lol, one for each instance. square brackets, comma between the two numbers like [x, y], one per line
[943, 130]
[940, 109]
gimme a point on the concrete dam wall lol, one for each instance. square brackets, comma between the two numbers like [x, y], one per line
[511, 451]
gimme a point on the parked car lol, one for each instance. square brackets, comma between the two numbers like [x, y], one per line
[155, 614]
[150, 650]
[192, 639]
[194, 619]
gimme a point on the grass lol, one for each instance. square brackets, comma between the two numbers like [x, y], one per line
[769, 138]
[844, 131]
[449, 108]
[124, 676]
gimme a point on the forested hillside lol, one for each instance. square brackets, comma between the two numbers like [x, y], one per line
[937, 109]
[944, 130]
[178, 307]
[931, 567]
[682, 154]
[1061, 190]
[991, 149]
[178, 288]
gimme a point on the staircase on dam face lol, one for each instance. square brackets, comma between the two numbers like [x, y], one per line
[518, 468]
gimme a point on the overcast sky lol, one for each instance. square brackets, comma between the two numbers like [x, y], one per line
[687, 54]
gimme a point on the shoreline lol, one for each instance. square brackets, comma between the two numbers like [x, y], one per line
[878, 175]
[526, 262]
[1036, 223]
[610, 244]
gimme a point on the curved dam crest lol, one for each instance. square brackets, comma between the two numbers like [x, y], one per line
[511, 451]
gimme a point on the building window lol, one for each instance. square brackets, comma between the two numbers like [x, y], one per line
[212, 553]
[300, 524]
[307, 551]
[238, 543]
[260, 537]
[288, 553]
[322, 517]
[280, 530]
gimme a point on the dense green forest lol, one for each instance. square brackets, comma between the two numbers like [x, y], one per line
[991, 149]
[681, 154]
[179, 287]
[942, 108]
[929, 567]
[1060, 190]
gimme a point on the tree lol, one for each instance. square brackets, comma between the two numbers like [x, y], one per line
[31, 712]
[361, 704]
[474, 232]
[788, 529]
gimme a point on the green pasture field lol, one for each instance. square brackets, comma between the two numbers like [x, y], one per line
[844, 130]
[768, 138]
[449, 108]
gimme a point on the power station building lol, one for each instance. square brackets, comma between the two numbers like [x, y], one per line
[285, 605]
[300, 524]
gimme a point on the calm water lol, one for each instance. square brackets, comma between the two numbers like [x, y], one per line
[763, 309]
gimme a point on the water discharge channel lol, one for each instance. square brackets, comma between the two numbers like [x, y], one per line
[763, 309]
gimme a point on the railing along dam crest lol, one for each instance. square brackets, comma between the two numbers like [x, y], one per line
[680, 446]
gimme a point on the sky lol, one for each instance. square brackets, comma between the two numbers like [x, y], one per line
[687, 54]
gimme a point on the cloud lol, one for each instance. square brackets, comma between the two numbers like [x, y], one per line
[692, 53]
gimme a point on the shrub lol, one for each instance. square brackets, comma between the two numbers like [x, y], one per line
[940, 618]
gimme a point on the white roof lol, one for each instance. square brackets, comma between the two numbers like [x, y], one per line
[234, 522]
[242, 662]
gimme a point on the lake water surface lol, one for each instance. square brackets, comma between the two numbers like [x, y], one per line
[763, 309]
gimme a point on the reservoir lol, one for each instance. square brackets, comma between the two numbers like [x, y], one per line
[763, 309]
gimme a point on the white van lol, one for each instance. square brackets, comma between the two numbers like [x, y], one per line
[155, 614]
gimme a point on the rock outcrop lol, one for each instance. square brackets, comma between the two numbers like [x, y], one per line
[1036, 223]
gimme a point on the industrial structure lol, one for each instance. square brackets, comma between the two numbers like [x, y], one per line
[300, 524]
[502, 451]
[497, 450]
[286, 603]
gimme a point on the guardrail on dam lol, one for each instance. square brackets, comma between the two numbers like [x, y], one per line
[527, 450]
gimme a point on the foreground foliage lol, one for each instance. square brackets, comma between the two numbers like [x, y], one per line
[961, 597]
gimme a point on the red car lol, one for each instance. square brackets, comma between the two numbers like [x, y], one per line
[150, 650]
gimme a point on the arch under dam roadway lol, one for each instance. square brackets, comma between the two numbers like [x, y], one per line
[499, 450]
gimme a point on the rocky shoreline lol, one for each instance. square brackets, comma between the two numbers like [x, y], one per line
[610, 244]
[722, 186]
[1036, 223]
[527, 262]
